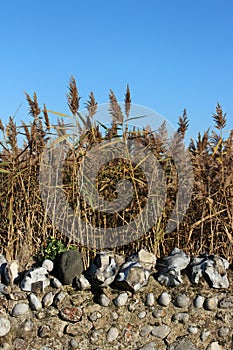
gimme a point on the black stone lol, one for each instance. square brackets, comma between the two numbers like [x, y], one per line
[68, 266]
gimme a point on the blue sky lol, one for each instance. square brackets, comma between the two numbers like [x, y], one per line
[174, 54]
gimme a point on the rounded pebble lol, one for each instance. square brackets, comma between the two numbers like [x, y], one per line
[73, 343]
[103, 300]
[192, 329]
[223, 332]
[182, 300]
[182, 317]
[164, 299]
[150, 299]
[47, 299]
[214, 346]
[199, 301]
[142, 314]
[211, 304]
[56, 283]
[121, 299]
[204, 334]
[146, 330]
[5, 326]
[20, 309]
[112, 334]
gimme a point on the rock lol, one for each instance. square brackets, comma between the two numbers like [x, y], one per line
[161, 331]
[28, 326]
[47, 299]
[34, 302]
[192, 329]
[20, 344]
[82, 282]
[104, 268]
[103, 300]
[182, 301]
[11, 272]
[226, 303]
[69, 266]
[5, 326]
[214, 346]
[204, 334]
[183, 344]
[149, 346]
[48, 265]
[59, 297]
[121, 299]
[150, 299]
[44, 331]
[182, 317]
[135, 272]
[146, 330]
[94, 316]
[223, 332]
[20, 309]
[73, 343]
[4, 290]
[141, 315]
[211, 303]
[169, 269]
[56, 283]
[71, 314]
[199, 301]
[35, 280]
[164, 299]
[212, 268]
[112, 334]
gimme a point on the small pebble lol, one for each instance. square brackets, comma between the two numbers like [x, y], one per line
[225, 303]
[211, 304]
[55, 283]
[47, 299]
[59, 298]
[94, 316]
[182, 300]
[199, 301]
[161, 331]
[44, 331]
[121, 299]
[164, 299]
[5, 326]
[142, 314]
[28, 326]
[159, 313]
[103, 300]
[73, 343]
[182, 317]
[20, 309]
[34, 302]
[204, 334]
[214, 346]
[149, 346]
[192, 329]
[115, 315]
[112, 334]
[150, 299]
[48, 265]
[223, 332]
[146, 330]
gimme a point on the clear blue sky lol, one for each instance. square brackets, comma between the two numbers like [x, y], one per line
[173, 54]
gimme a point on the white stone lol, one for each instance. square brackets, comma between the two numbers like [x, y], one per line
[56, 283]
[104, 300]
[48, 265]
[47, 299]
[112, 334]
[150, 299]
[5, 326]
[20, 309]
[33, 277]
[215, 346]
[161, 331]
[164, 299]
[83, 283]
[199, 301]
[34, 302]
[11, 272]
[121, 299]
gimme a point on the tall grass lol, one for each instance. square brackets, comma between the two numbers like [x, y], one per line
[25, 226]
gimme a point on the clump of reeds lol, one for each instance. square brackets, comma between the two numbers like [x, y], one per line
[25, 225]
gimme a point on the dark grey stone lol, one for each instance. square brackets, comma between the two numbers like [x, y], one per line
[69, 265]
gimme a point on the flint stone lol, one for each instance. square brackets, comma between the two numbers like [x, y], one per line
[48, 265]
[35, 280]
[183, 344]
[11, 272]
[82, 283]
[69, 266]
[34, 302]
[104, 268]
[20, 309]
[169, 270]
[212, 268]
[135, 272]
[5, 326]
